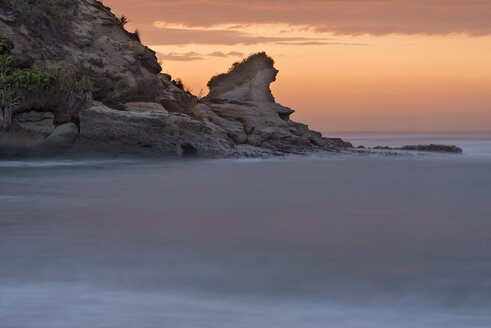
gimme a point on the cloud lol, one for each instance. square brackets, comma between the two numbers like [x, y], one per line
[188, 56]
[229, 54]
[229, 37]
[193, 56]
[317, 43]
[350, 17]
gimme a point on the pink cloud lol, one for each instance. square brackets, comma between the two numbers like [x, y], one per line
[376, 17]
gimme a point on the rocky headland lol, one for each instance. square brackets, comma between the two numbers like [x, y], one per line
[75, 82]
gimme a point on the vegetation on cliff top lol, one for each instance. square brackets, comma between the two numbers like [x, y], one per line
[260, 60]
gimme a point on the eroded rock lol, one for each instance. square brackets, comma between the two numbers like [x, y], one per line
[150, 134]
[35, 134]
[243, 96]
[142, 107]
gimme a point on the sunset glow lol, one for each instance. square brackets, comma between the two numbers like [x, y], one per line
[362, 65]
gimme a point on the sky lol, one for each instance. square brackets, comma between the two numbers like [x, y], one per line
[345, 65]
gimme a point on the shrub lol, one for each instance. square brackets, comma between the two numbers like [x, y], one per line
[260, 60]
[8, 99]
[136, 35]
[30, 80]
[123, 20]
[23, 62]
[41, 90]
[178, 83]
[8, 62]
[6, 45]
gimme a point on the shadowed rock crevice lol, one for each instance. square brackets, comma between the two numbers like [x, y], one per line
[189, 150]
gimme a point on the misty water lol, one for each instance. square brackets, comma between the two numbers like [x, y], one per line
[307, 242]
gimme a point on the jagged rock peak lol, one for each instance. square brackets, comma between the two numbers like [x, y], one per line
[246, 81]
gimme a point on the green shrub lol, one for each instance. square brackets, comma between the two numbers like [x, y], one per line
[6, 63]
[36, 89]
[23, 62]
[30, 80]
[24, 88]
[6, 45]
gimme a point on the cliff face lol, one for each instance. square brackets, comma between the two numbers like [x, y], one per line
[84, 37]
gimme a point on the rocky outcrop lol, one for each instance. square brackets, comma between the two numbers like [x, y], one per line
[241, 102]
[35, 134]
[149, 133]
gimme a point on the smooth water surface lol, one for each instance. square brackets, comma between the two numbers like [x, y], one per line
[331, 241]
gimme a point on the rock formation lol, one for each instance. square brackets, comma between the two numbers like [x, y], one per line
[241, 102]
[135, 110]
[235, 119]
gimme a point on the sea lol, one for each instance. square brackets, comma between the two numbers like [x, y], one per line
[321, 241]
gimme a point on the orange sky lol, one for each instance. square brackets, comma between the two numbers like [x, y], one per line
[344, 65]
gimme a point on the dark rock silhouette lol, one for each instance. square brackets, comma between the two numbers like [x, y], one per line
[431, 148]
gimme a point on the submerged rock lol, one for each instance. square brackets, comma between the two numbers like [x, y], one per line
[434, 148]
[430, 148]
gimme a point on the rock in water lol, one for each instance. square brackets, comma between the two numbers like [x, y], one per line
[430, 148]
[243, 95]
[434, 148]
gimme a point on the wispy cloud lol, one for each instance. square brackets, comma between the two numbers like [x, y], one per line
[173, 56]
[192, 56]
[218, 35]
[318, 43]
[228, 54]
[351, 17]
